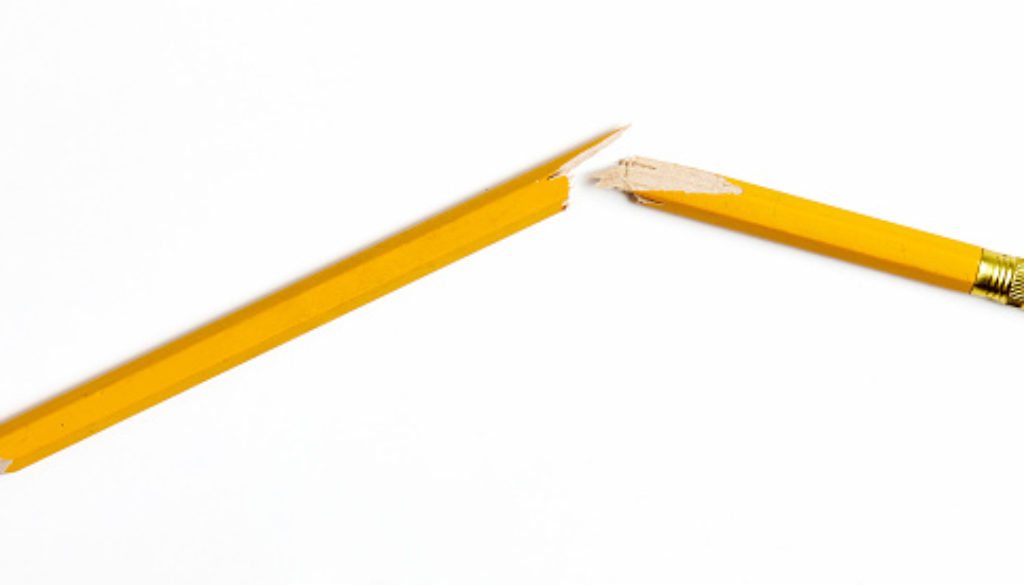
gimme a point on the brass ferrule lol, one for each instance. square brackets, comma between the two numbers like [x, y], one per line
[1000, 278]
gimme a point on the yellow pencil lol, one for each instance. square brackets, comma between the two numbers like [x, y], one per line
[819, 228]
[290, 312]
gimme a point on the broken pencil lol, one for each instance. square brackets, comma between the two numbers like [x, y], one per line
[290, 312]
[819, 228]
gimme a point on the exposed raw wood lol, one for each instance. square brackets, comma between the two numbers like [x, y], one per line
[589, 152]
[646, 174]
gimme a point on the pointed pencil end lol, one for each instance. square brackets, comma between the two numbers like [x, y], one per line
[588, 150]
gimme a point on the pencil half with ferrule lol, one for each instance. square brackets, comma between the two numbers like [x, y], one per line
[292, 311]
[820, 228]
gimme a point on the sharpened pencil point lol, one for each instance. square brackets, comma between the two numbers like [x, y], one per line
[4, 464]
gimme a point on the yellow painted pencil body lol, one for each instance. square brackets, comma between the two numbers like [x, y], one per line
[289, 313]
[819, 228]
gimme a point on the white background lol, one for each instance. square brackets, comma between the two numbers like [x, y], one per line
[615, 395]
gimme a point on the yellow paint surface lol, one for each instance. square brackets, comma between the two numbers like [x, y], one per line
[829, 230]
[286, 314]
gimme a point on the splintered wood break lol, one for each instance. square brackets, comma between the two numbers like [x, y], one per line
[637, 174]
[589, 152]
